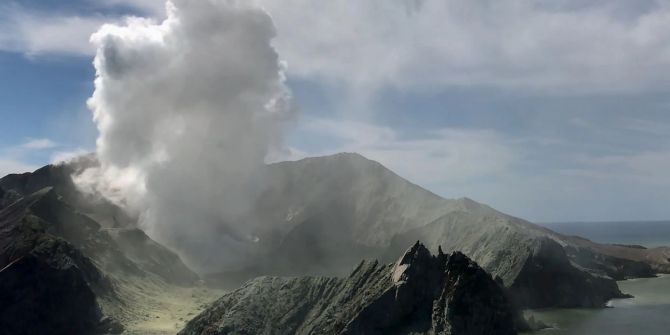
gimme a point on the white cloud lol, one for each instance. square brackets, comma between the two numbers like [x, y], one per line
[38, 144]
[58, 157]
[66, 35]
[648, 167]
[285, 154]
[14, 159]
[517, 44]
[566, 47]
[187, 109]
[449, 155]
[38, 33]
[599, 188]
[10, 165]
[537, 178]
[20, 157]
[558, 47]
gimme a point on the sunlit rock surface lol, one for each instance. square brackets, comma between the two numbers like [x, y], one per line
[63, 272]
[419, 294]
[324, 213]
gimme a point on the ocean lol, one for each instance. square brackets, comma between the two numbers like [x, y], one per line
[646, 233]
[646, 314]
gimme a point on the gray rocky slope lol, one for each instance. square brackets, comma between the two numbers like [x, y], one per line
[328, 212]
[46, 284]
[418, 294]
[61, 271]
[322, 215]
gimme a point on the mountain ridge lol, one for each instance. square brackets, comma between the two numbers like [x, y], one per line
[319, 203]
[324, 214]
[65, 273]
[417, 294]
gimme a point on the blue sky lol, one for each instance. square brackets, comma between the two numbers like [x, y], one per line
[548, 110]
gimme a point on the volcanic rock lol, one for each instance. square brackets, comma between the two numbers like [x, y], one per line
[323, 213]
[419, 294]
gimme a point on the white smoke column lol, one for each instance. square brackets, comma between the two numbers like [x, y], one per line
[187, 110]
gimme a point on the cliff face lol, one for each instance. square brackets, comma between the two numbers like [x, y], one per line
[619, 261]
[61, 271]
[46, 284]
[321, 215]
[326, 212]
[419, 294]
[53, 290]
[605, 265]
[547, 278]
[59, 178]
[532, 264]
[99, 229]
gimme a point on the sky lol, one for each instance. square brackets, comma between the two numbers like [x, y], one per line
[547, 110]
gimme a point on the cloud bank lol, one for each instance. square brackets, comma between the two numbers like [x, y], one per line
[446, 156]
[22, 157]
[187, 110]
[550, 60]
[557, 47]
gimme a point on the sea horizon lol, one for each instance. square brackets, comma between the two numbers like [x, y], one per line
[645, 233]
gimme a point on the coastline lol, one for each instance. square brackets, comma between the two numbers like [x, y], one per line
[646, 310]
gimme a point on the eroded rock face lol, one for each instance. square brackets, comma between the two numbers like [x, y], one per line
[328, 212]
[604, 265]
[98, 228]
[47, 286]
[61, 268]
[549, 279]
[7, 197]
[419, 294]
[46, 296]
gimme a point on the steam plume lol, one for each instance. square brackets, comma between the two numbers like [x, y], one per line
[187, 110]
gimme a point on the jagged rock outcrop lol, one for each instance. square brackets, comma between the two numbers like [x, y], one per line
[315, 205]
[320, 215]
[547, 278]
[419, 294]
[532, 265]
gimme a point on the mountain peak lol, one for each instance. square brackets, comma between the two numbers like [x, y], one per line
[422, 301]
[416, 258]
[351, 159]
[349, 155]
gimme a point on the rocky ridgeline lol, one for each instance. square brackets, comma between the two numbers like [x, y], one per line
[548, 278]
[325, 213]
[47, 286]
[419, 294]
[58, 265]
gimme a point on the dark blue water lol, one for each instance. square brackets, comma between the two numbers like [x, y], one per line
[649, 234]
